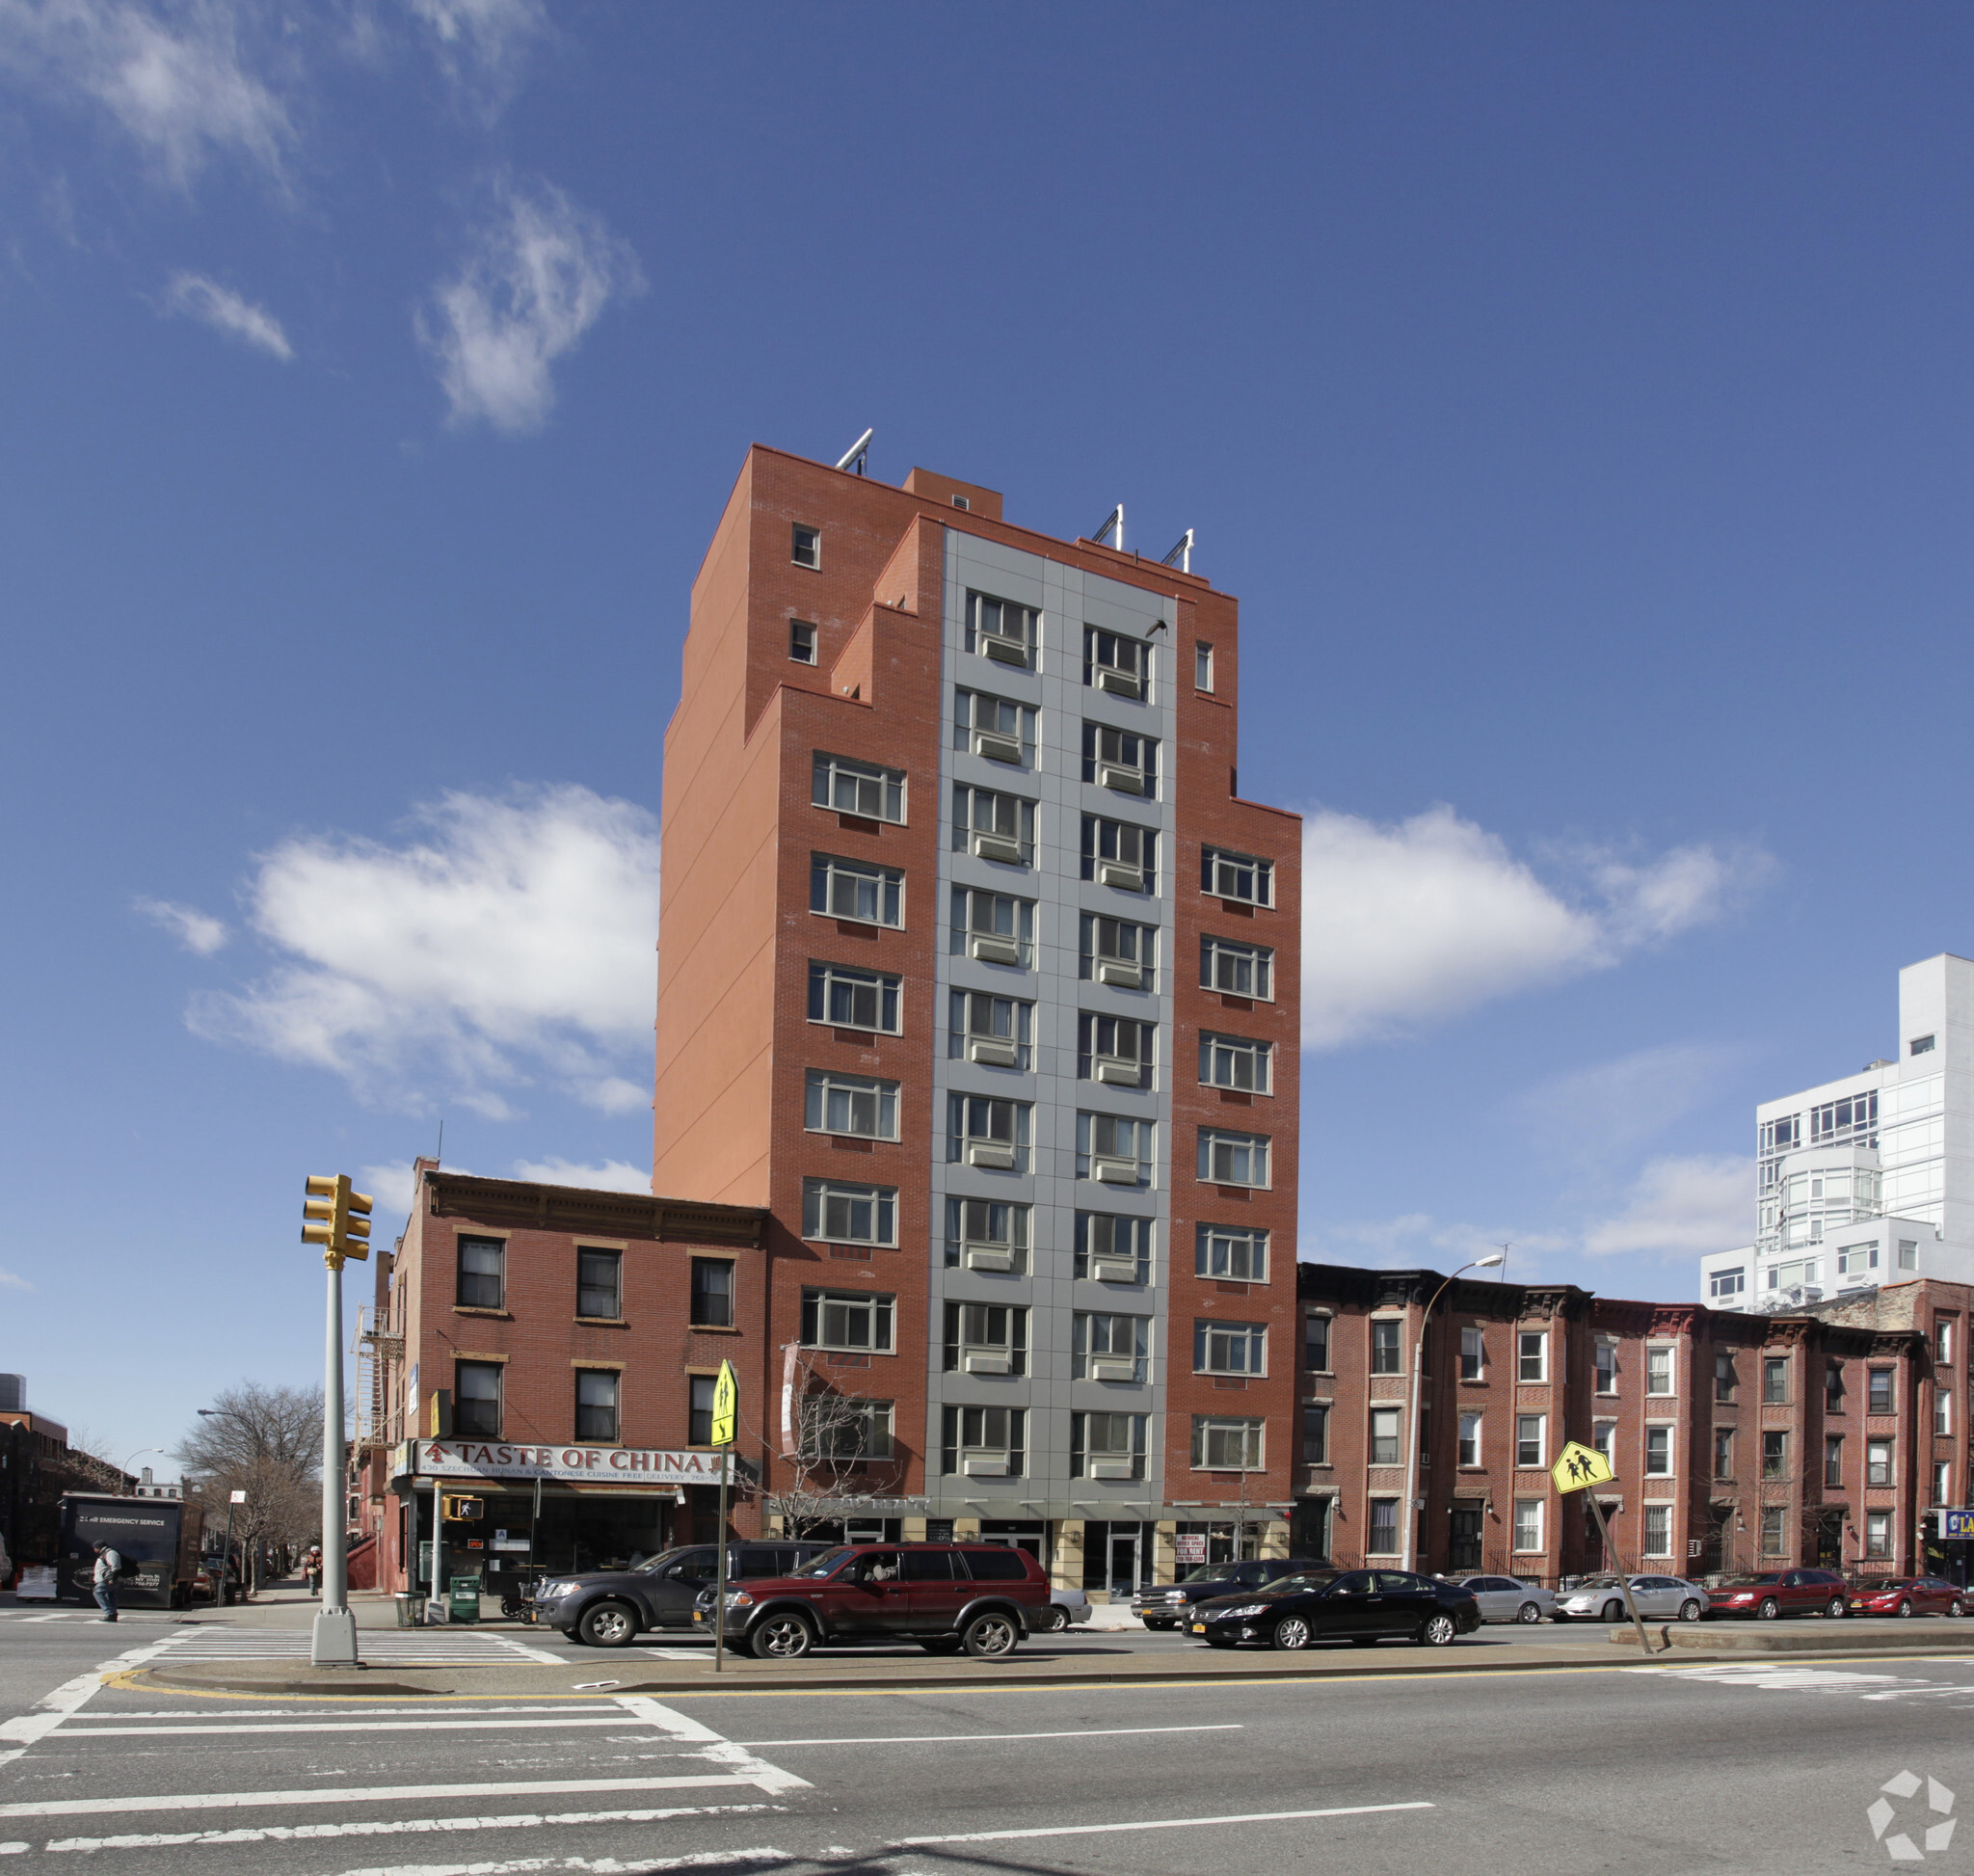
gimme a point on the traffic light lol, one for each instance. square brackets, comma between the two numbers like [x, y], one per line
[463, 1511]
[339, 1219]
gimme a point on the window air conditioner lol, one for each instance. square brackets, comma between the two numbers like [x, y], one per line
[1115, 873]
[1115, 1172]
[990, 1153]
[995, 747]
[990, 947]
[1114, 970]
[991, 1050]
[1119, 683]
[1127, 781]
[1118, 1071]
[1114, 1269]
[1112, 1368]
[989, 1257]
[1111, 1468]
[997, 847]
[984, 1465]
[1009, 651]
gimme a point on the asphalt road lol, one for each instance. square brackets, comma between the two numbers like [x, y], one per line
[1771, 1766]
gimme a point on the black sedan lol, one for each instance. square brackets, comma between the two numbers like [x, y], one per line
[1363, 1606]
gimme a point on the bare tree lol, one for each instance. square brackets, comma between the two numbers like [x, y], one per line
[267, 1442]
[834, 1455]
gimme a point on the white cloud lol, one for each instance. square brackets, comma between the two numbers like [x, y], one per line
[540, 275]
[1682, 1208]
[1606, 1112]
[391, 1189]
[196, 930]
[1409, 924]
[8, 1281]
[1419, 1238]
[609, 1176]
[226, 312]
[179, 85]
[482, 46]
[514, 937]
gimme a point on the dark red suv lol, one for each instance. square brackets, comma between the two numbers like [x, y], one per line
[1768, 1594]
[982, 1597]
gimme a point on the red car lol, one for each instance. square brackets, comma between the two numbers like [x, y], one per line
[1768, 1594]
[1908, 1595]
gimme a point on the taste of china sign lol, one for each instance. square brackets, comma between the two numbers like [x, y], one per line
[473, 1459]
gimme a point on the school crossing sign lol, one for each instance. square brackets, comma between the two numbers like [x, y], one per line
[1578, 1465]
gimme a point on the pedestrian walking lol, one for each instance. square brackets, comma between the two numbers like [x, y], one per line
[311, 1568]
[109, 1562]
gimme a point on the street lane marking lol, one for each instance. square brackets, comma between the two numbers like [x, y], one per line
[96, 1732]
[969, 1738]
[1166, 1823]
[51, 1709]
[717, 1747]
[373, 1794]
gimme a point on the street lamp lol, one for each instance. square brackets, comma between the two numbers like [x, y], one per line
[138, 1455]
[1411, 1508]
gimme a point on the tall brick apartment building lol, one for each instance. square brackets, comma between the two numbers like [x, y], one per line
[1740, 1441]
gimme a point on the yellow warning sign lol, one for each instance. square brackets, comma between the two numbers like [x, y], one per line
[727, 1404]
[1577, 1466]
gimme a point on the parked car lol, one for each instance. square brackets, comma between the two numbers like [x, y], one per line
[1601, 1598]
[1907, 1596]
[1766, 1594]
[982, 1597]
[1363, 1606]
[610, 1608]
[1507, 1599]
[1168, 1605]
[1065, 1606]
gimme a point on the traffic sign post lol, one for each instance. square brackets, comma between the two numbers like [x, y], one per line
[726, 1413]
[1576, 1468]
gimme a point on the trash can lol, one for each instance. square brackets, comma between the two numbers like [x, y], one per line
[464, 1599]
[408, 1602]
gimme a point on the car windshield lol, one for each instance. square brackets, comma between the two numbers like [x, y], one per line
[1303, 1579]
[1747, 1582]
[1599, 1583]
[828, 1564]
[1209, 1574]
[653, 1565]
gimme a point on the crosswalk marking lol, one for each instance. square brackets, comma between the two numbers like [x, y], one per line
[408, 1827]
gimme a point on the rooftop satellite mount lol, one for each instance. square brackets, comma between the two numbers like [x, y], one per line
[1113, 525]
[853, 457]
[1180, 555]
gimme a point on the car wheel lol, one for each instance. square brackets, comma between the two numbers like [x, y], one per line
[1292, 1632]
[1438, 1631]
[987, 1637]
[1957, 1608]
[1057, 1618]
[607, 1625]
[1529, 1612]
[1768, 1610]
[785, 1637]
[1904, 1607]
[1835, 1607]
[1614, 1612]
[1690, 1610]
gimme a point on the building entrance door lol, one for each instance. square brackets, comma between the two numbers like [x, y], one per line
[1464, 1548]
[1829, 1539]
[1122, 1575]
[1713, 1552]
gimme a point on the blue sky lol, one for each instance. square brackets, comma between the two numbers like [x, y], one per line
[1576, 398]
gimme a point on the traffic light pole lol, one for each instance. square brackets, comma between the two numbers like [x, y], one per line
[333, 1644]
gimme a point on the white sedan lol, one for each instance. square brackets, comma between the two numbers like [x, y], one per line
[1505, 1599]
[1601, 1598]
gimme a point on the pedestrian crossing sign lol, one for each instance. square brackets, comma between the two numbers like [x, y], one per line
[1578, 1465]
[726, 1405]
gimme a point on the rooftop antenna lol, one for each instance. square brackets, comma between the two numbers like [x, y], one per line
[1113, 520]
[1503, 1249]
[1181, 554]
[438, 1155]
[853, 457]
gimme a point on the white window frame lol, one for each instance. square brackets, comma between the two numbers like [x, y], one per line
[970, 1345]
[1375, 1438]
[1221, 1060]
[1468, 1447]
[1873, 1465]
[1372, 1520]
[1667, 1432]
[819, 1194]
[969, 1233]
[826, 1088]
[1329, 1333]
[1215, 1141]
[970, 834]
[1117, 868]
[1524, 1338]
[877, 1310]
[994, 741]
[1098, 966]
[877, 792]
[1251, 1433]
[978, 1437]
[805, 546]
[1130, 677]
[1878, 1534]
[1259, 960]
[1662, 1363]
[1220, 876]
[889, 881]
[1727, 1283]
[804, 637]
[1231, 1253]
[1230, 1347]
[1017, 648]
[1528, 1527]
[988, 943]
[1110, 1345]
[1107, 763]
[873, 1441]
[1474, 1347]
[1600, 1371]
[1604, 1439]
[1097, 1256]
[1203, 665]
[968, 1041]
[1120, 1461]
[1541, 1459]
[1942, 1413]
[1657, 1529]
[1091, 1159]
[1130, 1060]
[887, 990]
[964, 1146]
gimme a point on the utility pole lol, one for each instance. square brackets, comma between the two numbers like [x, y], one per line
[1411, 1508]
[339, 1222]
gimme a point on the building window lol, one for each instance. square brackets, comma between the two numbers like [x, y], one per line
[1723, 1453]
[1879, 1398]
[482, 1272]
[1943, 1339]
[1833, 1461]
[1774, 1380]
[1201, 666]
[596, 1403]
[1657, 1530]
[986, 1338]
[835, 1213]
[993, 726]
[599, 1283]
[1908, 1253]
[1110, 1348]
[847, 889]
[845, 1428]
[986, 1234]
[1223, 1444]
[1604, 1437]
[1233, 1062]
[1942, 1481]
[1878, 1462]
[851, 1104]
[1117, 1050]
[1114, 1150]
[1722, 1285]
[712, 1293]
[805, 546]
[1120, 759]
[1473, 1352]
[1942, 1413]
[984, 1131]
[1725, 1379]
[1527, 1526]
[992, 825]
[1120, 853]
[1529, 1442]
[1921, 1045]
[1316, 1344]
[1775, 1455]
[846, 1320]
[1229, 1159]
[1774, 1530]
[1834, 1387]
[1659, 1371]
[1001, 630]
[984, 1441]
[993, 928]
[1532, 1354]
[1236, 876]
[854, 788]
[1659, 1451]
[1115, 663]
[1470, 1439]
[1384, 1437]
[1106, 1445]
[699, 1408]
[1604, 1358]
[1113, 1250]
[1857, 1260]
[1385, 1347]
[801, 641]
[1877, 1534]
[476, 1399]
[1382, 1539]
[1229, 1349]
[1234, 1254]
[852, 999]
[1119, 951]
[1236, 970]
[1316, 1434]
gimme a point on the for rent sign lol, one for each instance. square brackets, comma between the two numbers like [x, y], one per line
[474, 1459]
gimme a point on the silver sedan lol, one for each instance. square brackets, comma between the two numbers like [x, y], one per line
[1505, 1599]
[1658, 1598]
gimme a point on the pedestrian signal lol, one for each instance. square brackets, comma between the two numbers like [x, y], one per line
[463, 1511]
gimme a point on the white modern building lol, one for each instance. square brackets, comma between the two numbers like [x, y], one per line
[1868, 1179]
